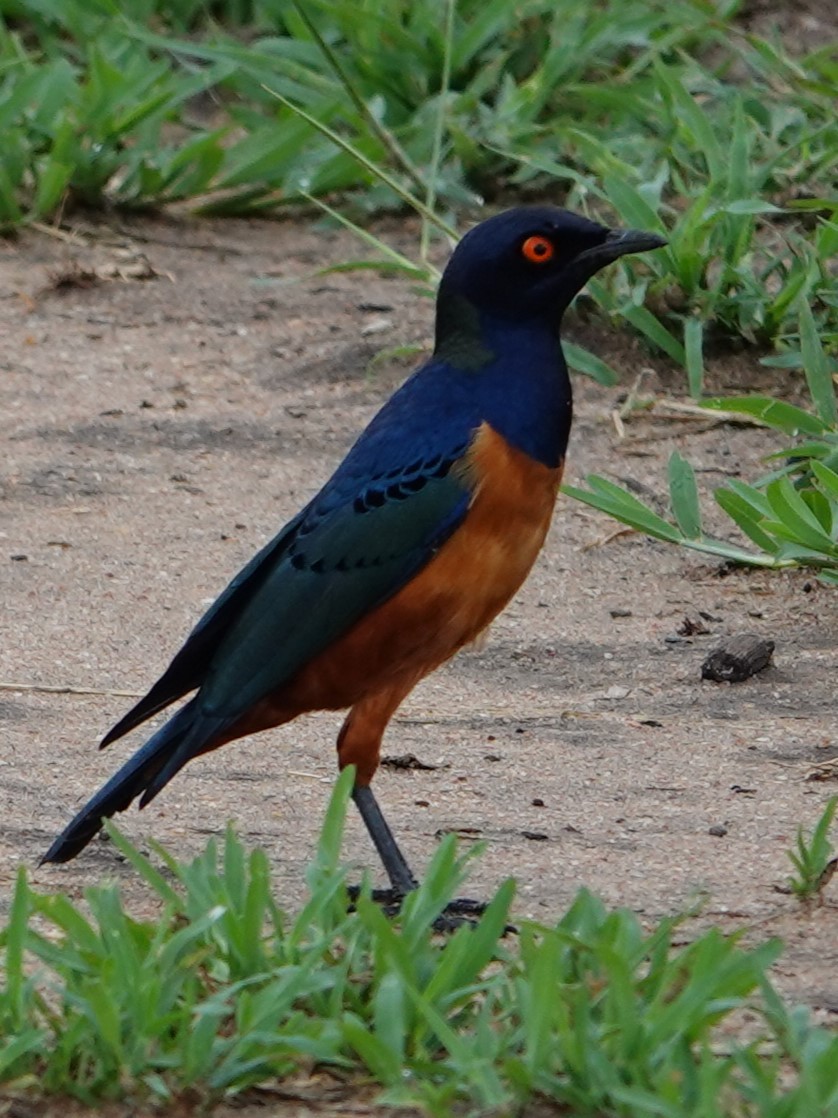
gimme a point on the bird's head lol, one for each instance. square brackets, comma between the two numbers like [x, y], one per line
[531, 261]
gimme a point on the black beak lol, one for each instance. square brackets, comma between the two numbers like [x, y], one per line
[618, 242]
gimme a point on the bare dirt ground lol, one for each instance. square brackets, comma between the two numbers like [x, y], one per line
[158, 430]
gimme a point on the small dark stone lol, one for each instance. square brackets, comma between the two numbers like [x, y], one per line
[408, 761]
[375, 308]
[535, 836]
[718, 830]
[737, 658]
[538, 802]
[461, 832]
[689, 628]
[620, 613]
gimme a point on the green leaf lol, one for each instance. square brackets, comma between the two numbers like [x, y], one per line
[692, 121]
[631, 205]
[643, 320]
[52, 183]
[684, 496]
[377, 170]
[739, 167]
[747, 518]
[816, 366]
[394, 258]
[142, 865]
[798, 520]
[774, 413]
[821, 508]
[372, 1049]
[583, 361]
[744, 206]
[617, 502]
[828, 478]
[9, 207]
[753, 497]
[13, 993]
[694, 355]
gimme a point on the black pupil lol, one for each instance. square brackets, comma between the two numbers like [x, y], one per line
[540, 248]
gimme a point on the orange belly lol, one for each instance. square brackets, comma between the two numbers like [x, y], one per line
[452, 599]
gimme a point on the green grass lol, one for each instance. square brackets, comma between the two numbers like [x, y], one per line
[789, 516]
[660, 115]
[665, 115]
[225, 990]
[813, 856]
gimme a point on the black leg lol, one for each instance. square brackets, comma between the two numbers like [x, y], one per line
[399, 872]
[457, 912]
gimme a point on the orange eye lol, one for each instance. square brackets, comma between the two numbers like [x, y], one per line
[538, 250]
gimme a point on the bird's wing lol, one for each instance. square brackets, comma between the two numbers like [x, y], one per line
[349, 553]
[388, 507]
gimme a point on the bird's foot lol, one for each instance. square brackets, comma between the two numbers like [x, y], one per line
[459, 911]
[464, 910]
[389, 900]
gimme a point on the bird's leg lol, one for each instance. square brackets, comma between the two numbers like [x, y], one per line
[359, 744]
[394, 862]
[462, 910]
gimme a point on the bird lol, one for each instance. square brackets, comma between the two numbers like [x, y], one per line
[418, 540]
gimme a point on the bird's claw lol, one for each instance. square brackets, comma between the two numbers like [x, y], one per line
[465, 910]
[389, 900]
[460, 911]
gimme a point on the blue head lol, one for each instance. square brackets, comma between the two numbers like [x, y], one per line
[531, 261]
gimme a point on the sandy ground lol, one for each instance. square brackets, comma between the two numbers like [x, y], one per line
[157, 431]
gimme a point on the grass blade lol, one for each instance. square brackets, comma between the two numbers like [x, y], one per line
[583, 361]
[620, 504]
[816, 366]
[374, 169]
[395, 260]
[797, 519]
[645, 322]
[694, 355]
[743, 514]
[386, 137]
[774, 413]
[684, 496]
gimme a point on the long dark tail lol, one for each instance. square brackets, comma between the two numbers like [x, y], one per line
[135, 776]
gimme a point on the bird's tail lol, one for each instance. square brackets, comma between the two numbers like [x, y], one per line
[136, 776]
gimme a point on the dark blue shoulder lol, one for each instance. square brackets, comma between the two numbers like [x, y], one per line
[425, 426]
